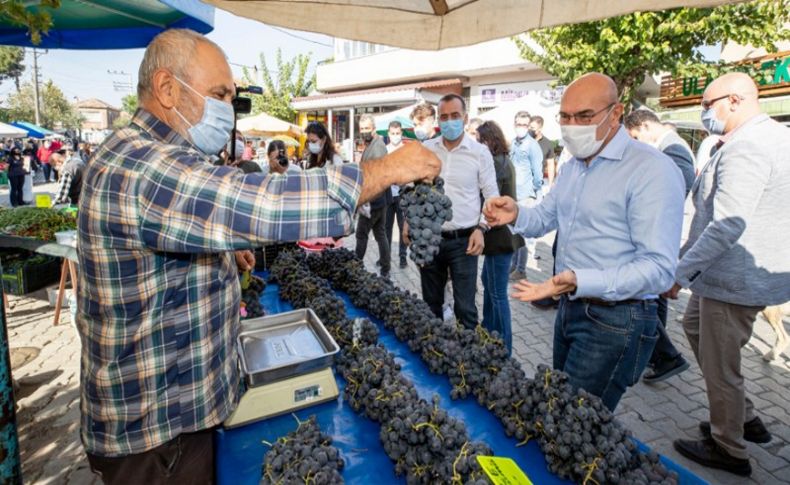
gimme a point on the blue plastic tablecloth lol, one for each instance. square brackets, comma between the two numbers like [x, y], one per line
[240, 451]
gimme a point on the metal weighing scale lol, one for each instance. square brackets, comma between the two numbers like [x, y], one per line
[286, 361]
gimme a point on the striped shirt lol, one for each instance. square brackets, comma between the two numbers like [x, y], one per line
[158, 285]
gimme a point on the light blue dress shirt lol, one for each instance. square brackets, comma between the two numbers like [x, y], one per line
[619, 221]
[527, 158]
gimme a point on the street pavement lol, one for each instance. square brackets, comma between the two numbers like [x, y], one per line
[48, 397]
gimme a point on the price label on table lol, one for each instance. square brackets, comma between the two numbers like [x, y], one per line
[503, 471]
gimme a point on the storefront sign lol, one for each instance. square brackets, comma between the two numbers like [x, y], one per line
[497, 94]
[771, 73]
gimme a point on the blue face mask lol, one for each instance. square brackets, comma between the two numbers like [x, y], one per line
[452, 129]
[714, 125]
[212, 132]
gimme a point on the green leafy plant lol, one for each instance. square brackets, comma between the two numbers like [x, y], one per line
[630, 47]
[291, 81]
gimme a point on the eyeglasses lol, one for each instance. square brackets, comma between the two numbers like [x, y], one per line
[708, 104]
[582, 117]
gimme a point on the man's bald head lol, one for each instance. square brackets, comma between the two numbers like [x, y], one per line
[733, 99]
[596, 85]
[591, 100]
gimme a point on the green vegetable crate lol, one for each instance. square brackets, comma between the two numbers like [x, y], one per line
[23, 277]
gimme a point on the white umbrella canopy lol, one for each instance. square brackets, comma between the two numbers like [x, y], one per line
[437, 24]
[9, 131]
[266, 125]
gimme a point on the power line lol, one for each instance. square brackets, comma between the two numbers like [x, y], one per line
[287, 32]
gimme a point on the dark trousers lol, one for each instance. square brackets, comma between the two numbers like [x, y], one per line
[664, 349]
[463, 273]
[604, 349]
[17, 183]
[376, 222]
[57, 174]
[47, 171]
[189, 458]
[395, 212]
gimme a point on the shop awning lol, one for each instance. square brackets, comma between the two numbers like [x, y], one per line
[265, 125]
[384, 96]
[110, 24]
[33, 130]
[10, 131]
[437, 24]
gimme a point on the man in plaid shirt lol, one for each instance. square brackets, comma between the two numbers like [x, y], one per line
[159, 293]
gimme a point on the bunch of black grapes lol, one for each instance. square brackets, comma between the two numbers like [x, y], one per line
[578, 435]
[426, 208]
[251, 298]
[305, 455]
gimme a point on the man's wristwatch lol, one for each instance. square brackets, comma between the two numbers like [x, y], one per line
[484, 229]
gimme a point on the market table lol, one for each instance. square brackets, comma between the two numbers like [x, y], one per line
[240, 451]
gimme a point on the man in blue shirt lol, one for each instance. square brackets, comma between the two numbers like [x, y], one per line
[618, 205]
[527, 158]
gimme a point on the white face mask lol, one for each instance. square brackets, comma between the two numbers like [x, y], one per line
[521, 132]
[395, 139]
[314, 147]
[580, 139]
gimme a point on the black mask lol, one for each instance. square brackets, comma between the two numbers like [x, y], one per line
[533, 133]
[367, 137]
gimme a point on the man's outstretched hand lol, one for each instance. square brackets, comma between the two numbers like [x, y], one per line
[245, 259]
[500, 210]
[564, 282]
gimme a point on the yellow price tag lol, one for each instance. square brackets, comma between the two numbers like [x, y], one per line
[503, 471]
[245, 280]
[43, 200]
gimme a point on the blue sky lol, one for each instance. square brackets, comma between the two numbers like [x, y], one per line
[83, 74]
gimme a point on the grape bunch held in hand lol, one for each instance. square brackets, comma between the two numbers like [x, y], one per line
[426, 208]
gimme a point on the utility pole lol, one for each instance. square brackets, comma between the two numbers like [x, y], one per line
[35, 86]
[120, 85]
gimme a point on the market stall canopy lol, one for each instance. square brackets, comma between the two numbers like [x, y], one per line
[437, 24]
[265, 125]
[33, 130]
[9, 131]
[110, 24]
[287, 140]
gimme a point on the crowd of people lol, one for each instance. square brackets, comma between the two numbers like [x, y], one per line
[30, 162]
[165, 221]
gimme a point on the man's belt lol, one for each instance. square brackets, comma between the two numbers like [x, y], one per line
[598, 302]
[458, 233]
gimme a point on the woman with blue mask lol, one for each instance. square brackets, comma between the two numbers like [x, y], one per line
[320, 148]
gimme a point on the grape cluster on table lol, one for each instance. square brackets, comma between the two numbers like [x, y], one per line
[578, 435]
[251, 298]
[304, 455]
[426, 208]
[426, 444]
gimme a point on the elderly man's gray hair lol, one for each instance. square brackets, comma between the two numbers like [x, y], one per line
[173, 50]
[367, 117]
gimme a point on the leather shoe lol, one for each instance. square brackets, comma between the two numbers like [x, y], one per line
[754, 431]
[710, 454]
[664, 369]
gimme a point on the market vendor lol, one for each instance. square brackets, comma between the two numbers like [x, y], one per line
[159, 293]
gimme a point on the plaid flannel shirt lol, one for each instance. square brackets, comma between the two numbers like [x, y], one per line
[158, 291]
[64, 185]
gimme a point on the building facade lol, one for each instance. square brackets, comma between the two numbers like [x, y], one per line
[96, 114]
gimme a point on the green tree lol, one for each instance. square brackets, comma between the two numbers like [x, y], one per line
[129, 104]
[37, 20]
[12, 64]
[630, 47]
[55, 108]
[291, 81]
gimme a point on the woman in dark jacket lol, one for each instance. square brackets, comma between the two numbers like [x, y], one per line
[16, 176]
[499, 241]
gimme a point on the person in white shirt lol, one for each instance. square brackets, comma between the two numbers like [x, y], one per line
[395, 135]
[320, 148]
[467, 170]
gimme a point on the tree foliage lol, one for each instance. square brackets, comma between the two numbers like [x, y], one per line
[37, 20]
[630, 47]
[12, 64]
[291, 82]
[55, 108]
[129, 104]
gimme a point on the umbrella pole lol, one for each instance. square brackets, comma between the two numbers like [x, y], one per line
[10, 465]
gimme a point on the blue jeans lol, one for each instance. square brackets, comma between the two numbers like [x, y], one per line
[522, 253]
[604, 349]
[463, 273]
[496, 306]
[664, 349]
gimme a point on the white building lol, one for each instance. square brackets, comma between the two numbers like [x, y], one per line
[369, 78]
